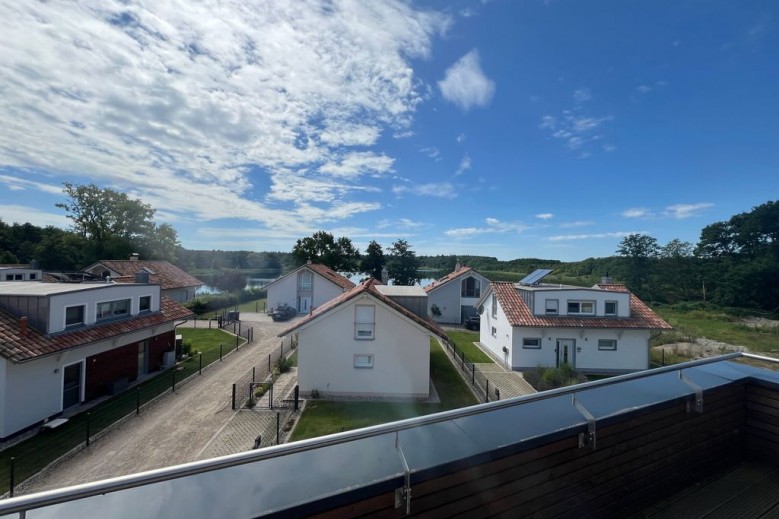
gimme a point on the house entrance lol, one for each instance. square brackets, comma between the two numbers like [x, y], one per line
[565, 352]
[143, 358]
[304, 305]
[71, 385]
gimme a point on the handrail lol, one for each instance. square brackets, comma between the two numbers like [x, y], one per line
[51, 497]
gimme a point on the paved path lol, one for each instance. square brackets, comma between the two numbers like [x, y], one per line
[173, 430]
[510, 383]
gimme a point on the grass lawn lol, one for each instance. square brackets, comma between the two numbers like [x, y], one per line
[40, 450]
[256, 305]
[719, 326]
[464, 341]
[326, 417]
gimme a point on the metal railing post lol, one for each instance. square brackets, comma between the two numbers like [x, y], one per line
[278, 428]
[254, 371]
[297, 397]
[220, 353]
[233, 397]
[487, 392]
[88, 414]
[200, 367]
[473, 374]
[138, 401]
[11, 477]
[173, 380]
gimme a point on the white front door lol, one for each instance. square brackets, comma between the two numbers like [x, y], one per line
[304, 305]
[565, 352]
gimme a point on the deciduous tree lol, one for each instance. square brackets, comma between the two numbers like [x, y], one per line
[321, 247]
[402, 263]
[373, 262]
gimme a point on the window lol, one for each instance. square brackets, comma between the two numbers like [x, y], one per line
[471, 287]
[144, 304]
[113, 309]
[610, 308]
[305, 281]
[74, 315]
[552, 306]
[9, 277]
[364, 317]
[607, 344]
[531, 344]
[19, 277]
[581, 307]
[494, 305]
[494, 332]
[363, 361]
[33, 276]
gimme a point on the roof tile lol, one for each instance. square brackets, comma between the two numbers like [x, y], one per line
[162, 273]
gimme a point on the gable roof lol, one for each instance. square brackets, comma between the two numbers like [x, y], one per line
[324, 271]
[519, 314]
[162, 273]
[367, 287]
[20, 348]
[451, 277]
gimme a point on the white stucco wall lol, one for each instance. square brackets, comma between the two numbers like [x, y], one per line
[32, 391]
[99, 294]
[324, 291]
[449, 298]
[502, 336]
[583, 294]
[285, 290]
[401, 350]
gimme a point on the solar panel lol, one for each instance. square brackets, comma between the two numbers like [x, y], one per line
[534, 277]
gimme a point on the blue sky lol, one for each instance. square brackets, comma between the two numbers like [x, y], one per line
[503, 128]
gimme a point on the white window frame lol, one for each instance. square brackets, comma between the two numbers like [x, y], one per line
[364, 327]
[142, 310]
[494, 332]
[309, 285]
[363, 361]
[580, 302]
[606, 306]
[113, 314]
[476, 285]
[83, 316]
[548, 310]
[494, 305]
[531, 343]
[607, 344]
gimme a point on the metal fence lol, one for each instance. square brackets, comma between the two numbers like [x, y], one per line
[484, 389]
[26, 458]
[244, 389]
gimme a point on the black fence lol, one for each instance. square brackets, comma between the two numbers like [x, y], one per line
[259, 380]
[26, 458]
[484, 389]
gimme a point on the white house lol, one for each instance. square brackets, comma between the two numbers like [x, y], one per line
[176, 283]
[604, 329]
[20, 272]
[307, 287]
[364, 343]
[452, 298]
[62, 344]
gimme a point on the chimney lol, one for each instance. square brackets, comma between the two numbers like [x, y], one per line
[606, 280]
[134, 256]
[385, 276]
[457, 266]
[308, 261]
[23, 326]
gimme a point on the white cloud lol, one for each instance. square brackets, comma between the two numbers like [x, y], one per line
[19, 184]
[432, 152]
[643, 89]
[580, 223]
[575, 129]
[460, 138]
[434, 189]
[191, 109]
[23, 214]
[465, 84]
[637, 212]
[582, 95]
[465, 165]
[570, 237]
[544, 216]
[493, 226]
[682, 211]
[401, 223]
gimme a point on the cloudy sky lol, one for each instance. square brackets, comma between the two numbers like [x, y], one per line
[534, 128]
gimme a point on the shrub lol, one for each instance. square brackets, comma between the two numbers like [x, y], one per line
[186, 347]
[282, 365]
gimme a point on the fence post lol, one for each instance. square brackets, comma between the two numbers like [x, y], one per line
[11, 478]
[138, 401]
[237, 340]
[88, 414]
[233, 397]
[473, 374]
[297, 397]
[278, 428]
[270, 396]
[487, 392]
[269, 363]
[462, 360]
[200, 368]
[254, 370]
[173, 380]
[220, 353]
[209, 324]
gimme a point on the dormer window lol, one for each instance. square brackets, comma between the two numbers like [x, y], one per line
[110, 309]
[74, 316]
[581, 307]
[144, 304]
[552, 307]
[610, 308]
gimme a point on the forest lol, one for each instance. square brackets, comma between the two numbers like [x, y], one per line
[735, 263]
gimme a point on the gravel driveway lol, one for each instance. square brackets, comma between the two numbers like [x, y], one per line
[172, 430]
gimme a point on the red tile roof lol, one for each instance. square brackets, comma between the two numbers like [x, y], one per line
[18, 348]
[449, 277]
[367, 287]
[163, 273]
[518, 313]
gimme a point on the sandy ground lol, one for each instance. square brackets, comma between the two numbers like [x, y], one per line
[173, 430]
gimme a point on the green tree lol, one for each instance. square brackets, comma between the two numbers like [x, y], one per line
[373, 262]
[402, 264]
[639, 251]
[321, 247]
[230, 280]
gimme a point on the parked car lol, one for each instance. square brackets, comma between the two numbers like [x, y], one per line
[473, 322]
[283, 312]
